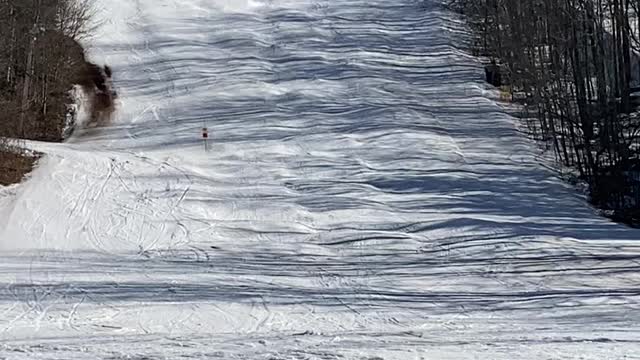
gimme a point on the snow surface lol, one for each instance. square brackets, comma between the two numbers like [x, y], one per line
[364, 198]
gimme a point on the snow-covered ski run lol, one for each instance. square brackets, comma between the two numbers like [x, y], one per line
[364, 197]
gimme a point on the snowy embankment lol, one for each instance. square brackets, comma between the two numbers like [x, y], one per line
[364, 198]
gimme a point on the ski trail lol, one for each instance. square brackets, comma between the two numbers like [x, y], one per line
[364, 197]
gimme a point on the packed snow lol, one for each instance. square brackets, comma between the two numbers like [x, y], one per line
[364, 197]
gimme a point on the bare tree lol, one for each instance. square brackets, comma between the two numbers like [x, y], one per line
[574, 64]
[40, 61]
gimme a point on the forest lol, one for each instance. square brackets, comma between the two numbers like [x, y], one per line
[41, 60]
[574, 66]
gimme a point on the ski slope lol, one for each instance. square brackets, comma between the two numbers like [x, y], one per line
[364, 197]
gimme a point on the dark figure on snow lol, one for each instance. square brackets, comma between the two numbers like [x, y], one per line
[95, 80]
[492, 72]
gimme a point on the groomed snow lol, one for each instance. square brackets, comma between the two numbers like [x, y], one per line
[364, 198]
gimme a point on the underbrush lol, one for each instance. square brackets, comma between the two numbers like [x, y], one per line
[15, 162]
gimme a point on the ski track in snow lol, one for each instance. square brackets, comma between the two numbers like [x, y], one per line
[364, 198]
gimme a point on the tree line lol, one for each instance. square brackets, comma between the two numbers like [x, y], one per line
[40, 58]
[575, 66]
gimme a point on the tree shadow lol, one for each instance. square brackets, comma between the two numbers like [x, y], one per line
[342, 284]
[426, 178]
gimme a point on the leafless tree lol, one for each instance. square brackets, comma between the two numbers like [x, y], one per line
[575, 64]
[41, 59]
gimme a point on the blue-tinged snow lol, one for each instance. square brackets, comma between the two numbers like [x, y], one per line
[364, 197]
